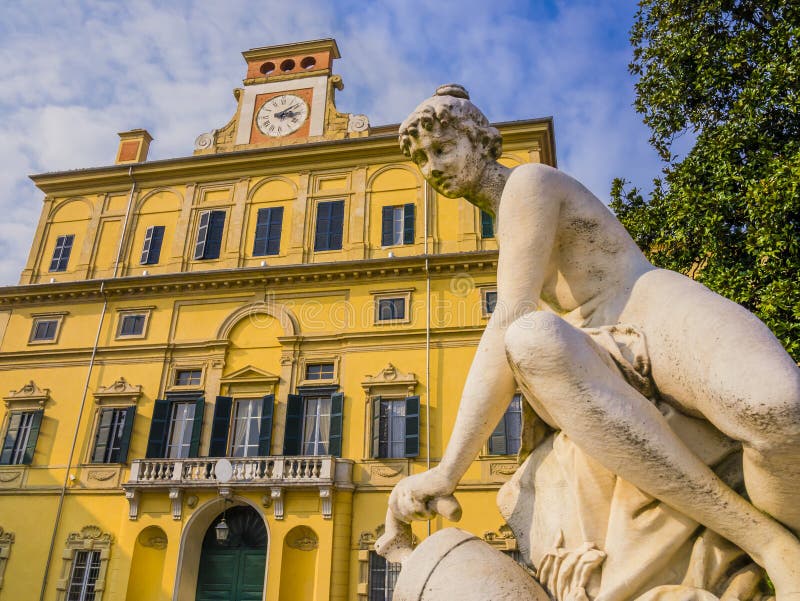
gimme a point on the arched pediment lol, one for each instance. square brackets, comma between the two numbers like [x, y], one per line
[283, 314]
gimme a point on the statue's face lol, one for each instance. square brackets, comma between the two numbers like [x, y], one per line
[449, 160]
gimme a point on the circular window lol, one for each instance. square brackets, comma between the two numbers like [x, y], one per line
[267, 68]
[287, 65]
[308, 62]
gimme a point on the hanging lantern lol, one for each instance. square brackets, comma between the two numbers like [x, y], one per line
[222, 530]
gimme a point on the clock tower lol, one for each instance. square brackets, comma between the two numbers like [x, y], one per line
[287, 98]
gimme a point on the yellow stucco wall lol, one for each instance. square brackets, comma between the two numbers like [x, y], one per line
[225, 317]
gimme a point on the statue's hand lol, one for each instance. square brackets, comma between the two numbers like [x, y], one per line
[422, 496]
[418, 497]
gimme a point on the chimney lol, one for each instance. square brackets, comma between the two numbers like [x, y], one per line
[133, 146]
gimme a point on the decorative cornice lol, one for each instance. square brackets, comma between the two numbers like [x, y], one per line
[30, 393]
[380, 145]
[275, 278]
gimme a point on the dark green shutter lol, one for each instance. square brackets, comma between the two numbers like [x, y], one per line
[127, 431]
[376, 426]
[33, 436]
[265, 427]
[408, 224]
[294, 425]
[158, 430]
[412, 426]
[387, 225]
[487, 225]
[335, 442]
[220, 426]
[197, 426]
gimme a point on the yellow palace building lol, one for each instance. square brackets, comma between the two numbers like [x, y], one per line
[215, 367]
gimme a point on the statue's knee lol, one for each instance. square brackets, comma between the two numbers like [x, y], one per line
[536, 339]
[773, 420]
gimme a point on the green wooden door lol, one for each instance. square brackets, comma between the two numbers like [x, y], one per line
[234, 570]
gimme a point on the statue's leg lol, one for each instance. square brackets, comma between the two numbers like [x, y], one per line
[608, 419]
[717, 359]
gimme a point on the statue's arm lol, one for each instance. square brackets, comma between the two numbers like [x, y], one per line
[528, 224]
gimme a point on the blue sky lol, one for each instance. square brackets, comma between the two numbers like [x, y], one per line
[73, 74]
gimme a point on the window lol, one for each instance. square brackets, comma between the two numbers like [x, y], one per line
[391, 309]
[132, 324]
[489, 302]
[19, 443]
[175, 426]
[330, 223]
[242, 428]
[61, 253]
[319, 371]
[505, 440]
[188, 377]
[314, 423]
[397, 225]
[382, 577]
[113, 436]
[84, 565]
[209, 235]
[83, 578]
[151, 251]
[44, 330]
[179, 438]
[268, 232]
[487, 225]
[395, 427]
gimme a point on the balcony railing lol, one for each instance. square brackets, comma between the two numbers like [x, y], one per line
[273, 474]
[240, 470]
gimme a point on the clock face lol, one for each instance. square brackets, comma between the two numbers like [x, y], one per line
[282, 115]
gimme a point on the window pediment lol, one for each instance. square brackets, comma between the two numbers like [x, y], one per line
[390, 380]
[29, 396]
[120, 391]
[251, 374]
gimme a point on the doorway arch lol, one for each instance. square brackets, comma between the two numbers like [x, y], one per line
[233, 569]
[192, 537]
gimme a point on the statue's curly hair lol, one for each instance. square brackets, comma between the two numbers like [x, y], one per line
[450, 107]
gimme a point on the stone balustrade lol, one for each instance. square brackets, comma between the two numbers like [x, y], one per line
[273, 474]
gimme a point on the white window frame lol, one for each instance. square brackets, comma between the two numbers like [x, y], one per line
[186, 422]
[318, 443]
[256, 402]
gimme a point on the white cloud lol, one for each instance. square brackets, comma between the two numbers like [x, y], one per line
[76, 73]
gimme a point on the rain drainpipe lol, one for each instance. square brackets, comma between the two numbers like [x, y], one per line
[426, 193]
[125, 222]
[67, 475]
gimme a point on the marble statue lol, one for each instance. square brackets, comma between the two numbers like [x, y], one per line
[665, 459]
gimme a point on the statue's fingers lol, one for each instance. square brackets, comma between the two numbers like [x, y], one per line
[448, 507]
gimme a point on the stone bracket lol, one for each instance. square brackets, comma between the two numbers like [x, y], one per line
[326, 495]
[176, 496]
[276, 492]
[133, 497]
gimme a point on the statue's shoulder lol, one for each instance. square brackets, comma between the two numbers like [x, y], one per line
[535, 179]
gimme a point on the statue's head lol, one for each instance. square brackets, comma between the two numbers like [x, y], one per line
[450, 139]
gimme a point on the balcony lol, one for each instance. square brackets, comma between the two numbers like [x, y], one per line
[271, 474]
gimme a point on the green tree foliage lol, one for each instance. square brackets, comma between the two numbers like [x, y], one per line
[727, 73]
